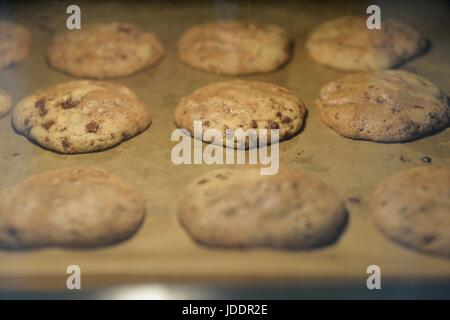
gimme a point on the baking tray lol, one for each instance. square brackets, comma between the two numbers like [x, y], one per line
[161, 251]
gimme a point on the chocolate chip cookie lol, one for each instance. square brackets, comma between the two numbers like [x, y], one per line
[233, 47]
[238, 104]
[15, 43]
[412, 208]
[5, 103]
[81, 116]
[76, 207]
[347, 44]
[384, 106]
[241, 208]
[104, 50]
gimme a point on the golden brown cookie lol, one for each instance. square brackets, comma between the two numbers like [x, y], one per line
[5, 103]
[347, 44]
[15, 43]
[104, 50]
[384, 106]
[241, 208]
[239, 104]
[232, 47]
[77, 207]
[81, 116]
[412, 208]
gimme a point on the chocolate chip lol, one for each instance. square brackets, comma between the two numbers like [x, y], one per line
[272, 125]
[48, 124]
[418, 107]
[40, 104]
[229, 212]
[12, 232]
[206, 123]
[254, 124]
[92, 127]
[66, 143]
[380, 100]
[286, 120]
[395, 109]
[203, 181]
[402, 158]
[355, 200]
[124, 28]
[279, 114]
[69, 103]
[15, 154]
[426, 159]
[427, 239]
[433, 115]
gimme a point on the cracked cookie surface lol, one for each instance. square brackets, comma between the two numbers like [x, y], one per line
[232, 47]
[104, 50]
[81, 116]
[346, 43]
[384, 106]
[239, 104]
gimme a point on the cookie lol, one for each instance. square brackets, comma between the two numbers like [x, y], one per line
[347, 44]
[5, 103]
[412, 208]
[241, 208]
[15, 43]
[104, 50]
[384, 106]
[235, 104]
[81, 116]
[76, 207]
[232, 47]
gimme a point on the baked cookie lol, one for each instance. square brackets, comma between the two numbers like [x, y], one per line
[238, 104]
[15, 43]
[241, 208]
[77, 207]
[412, 208]
[5, 103]
[231, 47]
[104, 50]
[384, 106]
[81, 116]
[347, 44]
